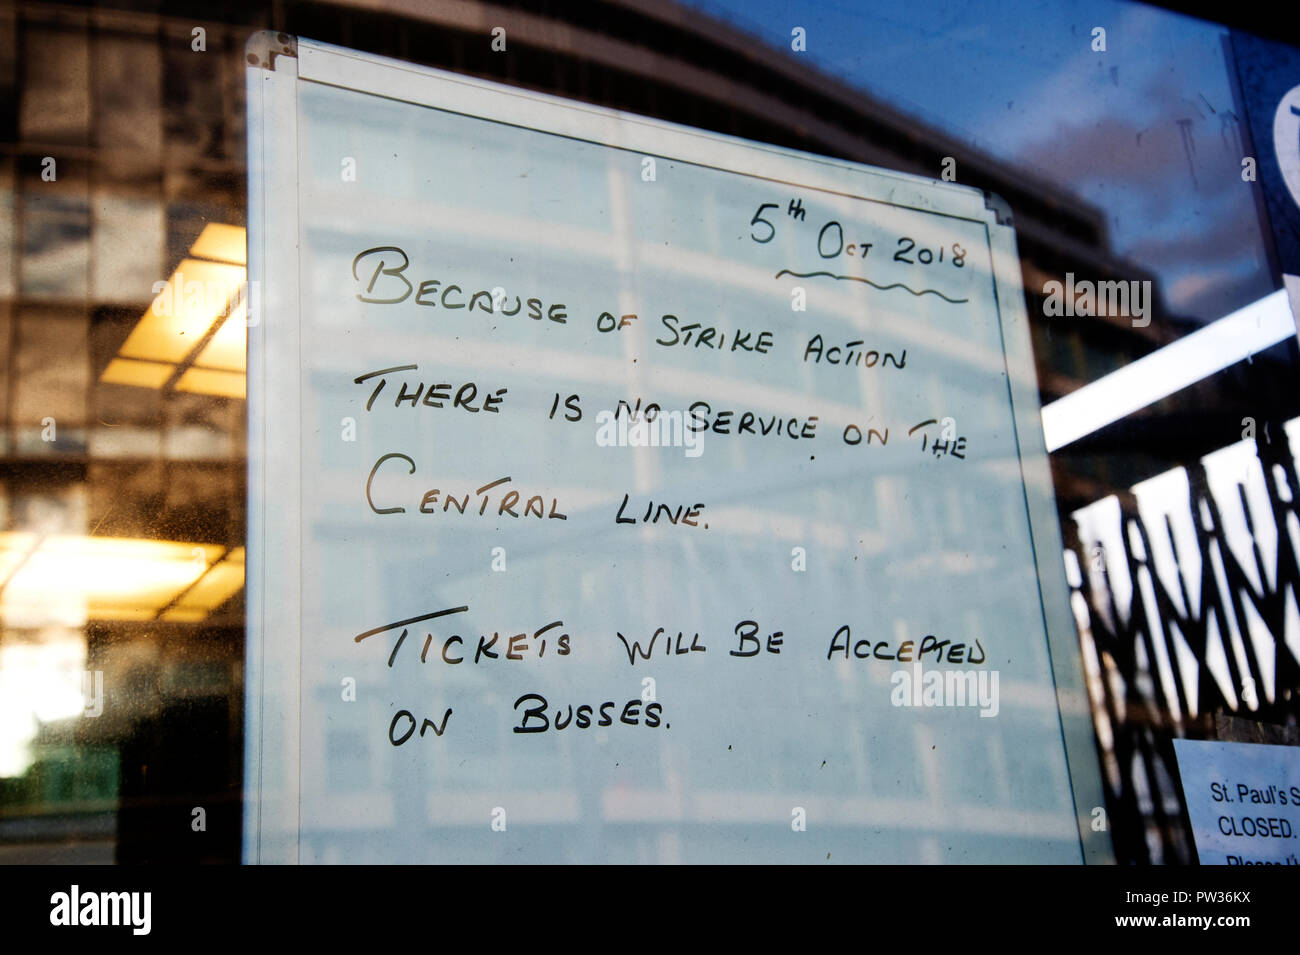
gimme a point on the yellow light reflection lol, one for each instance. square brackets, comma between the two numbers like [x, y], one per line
[196, 295]
[194, 299]
[217, 586]
[226, 243]
[106, 578]
[129, 371]
[227, 384]
[227, 349]
[14, 548]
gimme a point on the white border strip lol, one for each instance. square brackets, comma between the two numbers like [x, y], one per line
[1213, 348]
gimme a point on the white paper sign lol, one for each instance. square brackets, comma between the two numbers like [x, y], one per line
[626, 493]
[1243, 800]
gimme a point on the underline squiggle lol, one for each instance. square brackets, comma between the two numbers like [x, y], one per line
[883, 288]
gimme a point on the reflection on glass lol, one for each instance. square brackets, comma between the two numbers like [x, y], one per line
[193, 333]
[40, 682]
[72, 579]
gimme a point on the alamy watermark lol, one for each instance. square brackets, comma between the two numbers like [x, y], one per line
[917, 686]
[75, 907]
[1087, 299]
[212, 297]
[649, 428]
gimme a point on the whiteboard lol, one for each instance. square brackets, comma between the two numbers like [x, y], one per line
[620, 492]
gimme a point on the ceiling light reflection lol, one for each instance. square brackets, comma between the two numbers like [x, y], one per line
[207, 290]
[69, 580]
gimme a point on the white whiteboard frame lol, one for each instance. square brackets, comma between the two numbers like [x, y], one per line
[277, 65]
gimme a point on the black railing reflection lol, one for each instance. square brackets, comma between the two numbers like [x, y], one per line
[1140, 707]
